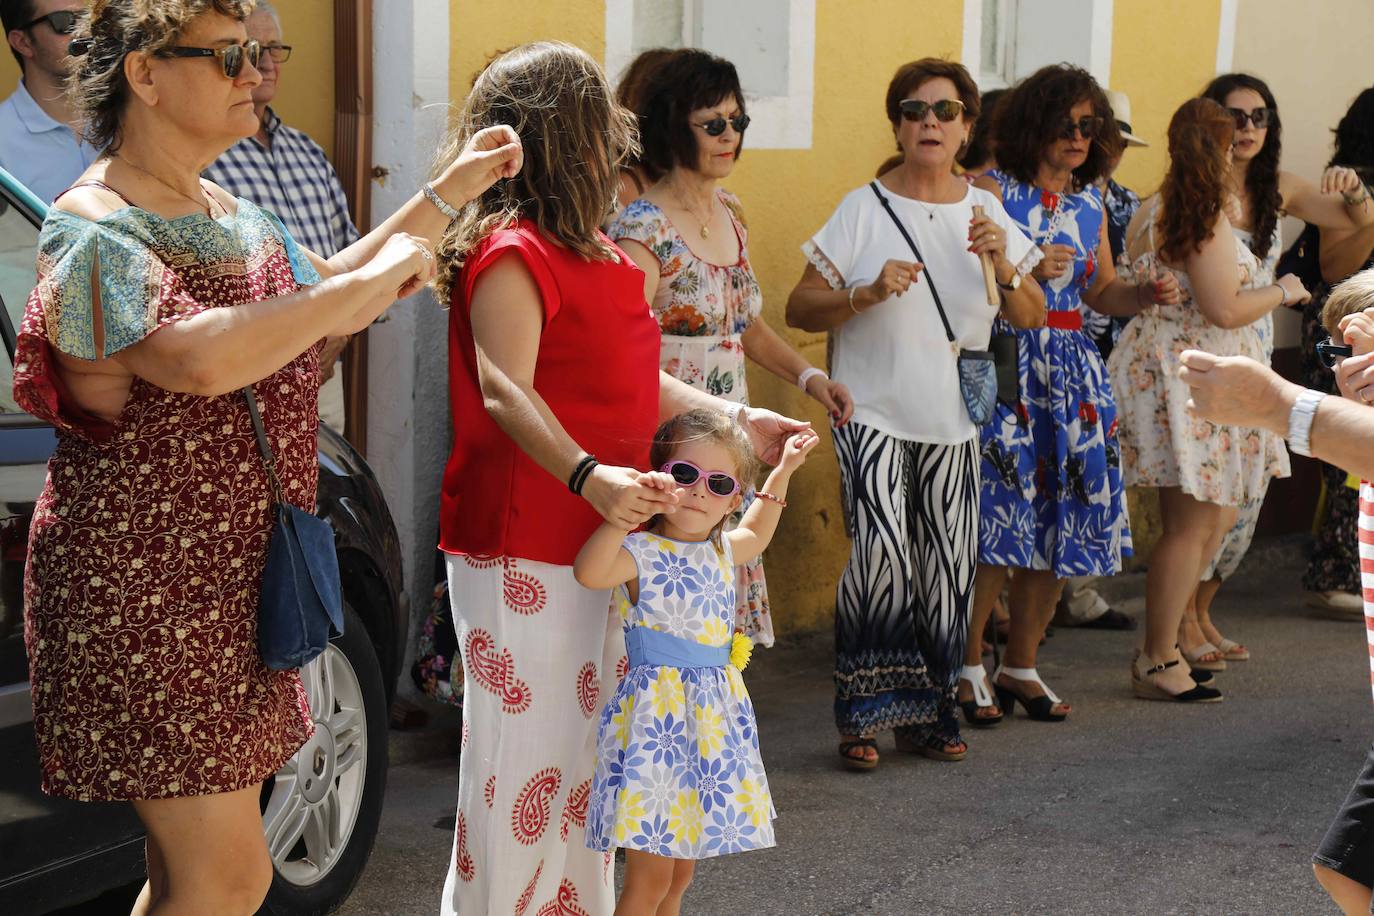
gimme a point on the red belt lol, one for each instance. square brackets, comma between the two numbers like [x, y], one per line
[1065, 321]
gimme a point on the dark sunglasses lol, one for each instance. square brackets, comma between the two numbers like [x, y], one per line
[716, 126]
[1329, 352]
[63, 22]
[231, 57]
[1260, 117]
[686, 474]
[1086, 127]
[945, 110]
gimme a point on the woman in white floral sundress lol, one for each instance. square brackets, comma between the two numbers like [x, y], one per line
[690, 239]
[1204, 472]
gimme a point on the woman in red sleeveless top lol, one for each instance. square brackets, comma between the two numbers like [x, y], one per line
[556, 392]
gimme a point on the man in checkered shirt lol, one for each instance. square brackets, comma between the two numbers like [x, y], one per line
[282, 169]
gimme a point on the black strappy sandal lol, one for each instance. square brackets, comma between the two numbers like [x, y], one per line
[1148, 690]
[859, 763]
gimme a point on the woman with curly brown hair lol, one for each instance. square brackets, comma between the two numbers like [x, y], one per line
[1203, 472]
[159, 298]
[1259, 194]
[553, 359]
[1052, 502]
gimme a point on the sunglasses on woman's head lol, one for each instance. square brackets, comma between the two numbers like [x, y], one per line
[231, 57]
[1330, 352]
[716, 126]
[945, 110]
[63, 22]
[1086, 127]
[686, 474]
[1260, 117]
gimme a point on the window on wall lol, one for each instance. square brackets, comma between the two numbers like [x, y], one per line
[1007, 40]
[771, 43]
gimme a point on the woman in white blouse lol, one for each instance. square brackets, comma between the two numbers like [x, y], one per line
[909, 457]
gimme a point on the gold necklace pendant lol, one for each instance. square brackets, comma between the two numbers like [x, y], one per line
[705, 231]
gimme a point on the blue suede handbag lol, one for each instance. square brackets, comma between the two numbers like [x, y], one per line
[985, 376]
[301, 606]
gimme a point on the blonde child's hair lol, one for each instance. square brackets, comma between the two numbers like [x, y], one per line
[704, 425]
[1348, 297]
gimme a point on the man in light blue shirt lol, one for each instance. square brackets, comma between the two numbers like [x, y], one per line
[38, 143]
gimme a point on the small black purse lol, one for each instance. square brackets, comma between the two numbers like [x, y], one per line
[985, 376]
[301, 606]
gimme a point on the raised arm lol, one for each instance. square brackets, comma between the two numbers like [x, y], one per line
[1341, 201]
[223, 349]
[760, 522]
[492, 154]
[603, 562]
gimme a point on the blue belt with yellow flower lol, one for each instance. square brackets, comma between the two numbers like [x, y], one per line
[646, 646]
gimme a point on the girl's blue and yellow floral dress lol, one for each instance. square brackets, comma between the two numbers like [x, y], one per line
[678, 770]
[1052, 496]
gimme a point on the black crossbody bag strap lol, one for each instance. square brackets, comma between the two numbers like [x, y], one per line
[934, 293]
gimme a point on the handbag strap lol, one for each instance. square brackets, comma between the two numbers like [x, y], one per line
[934, 294]
[268, 458]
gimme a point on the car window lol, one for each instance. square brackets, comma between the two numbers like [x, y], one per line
[18, 244]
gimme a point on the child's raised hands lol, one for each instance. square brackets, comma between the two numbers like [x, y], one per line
[797, 447]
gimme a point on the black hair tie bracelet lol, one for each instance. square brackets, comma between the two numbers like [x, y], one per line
[581, 473]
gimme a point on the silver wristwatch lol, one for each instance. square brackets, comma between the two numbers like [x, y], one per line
[1300, 422]
[444, 206]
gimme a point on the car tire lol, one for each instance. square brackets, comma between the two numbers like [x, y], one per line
[321, 820]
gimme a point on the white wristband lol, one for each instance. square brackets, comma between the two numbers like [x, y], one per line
[807, 375]
[1300, 422]
[734, 410]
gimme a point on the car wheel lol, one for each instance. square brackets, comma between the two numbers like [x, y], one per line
[321, 810]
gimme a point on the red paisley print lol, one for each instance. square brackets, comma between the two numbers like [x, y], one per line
[462, 860]
[565, 904]
[527, 896]
[575, 811]
[496, 672]
[489, 791]
[622, 667]
[524, 593]
[481, 562]
[588, 688]
[529, 818]
[148, 540]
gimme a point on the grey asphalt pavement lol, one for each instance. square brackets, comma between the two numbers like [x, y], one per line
[1128, 807]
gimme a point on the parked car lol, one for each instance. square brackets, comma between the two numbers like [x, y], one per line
[321, 810]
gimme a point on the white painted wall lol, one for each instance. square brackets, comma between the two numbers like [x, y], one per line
[407, 403]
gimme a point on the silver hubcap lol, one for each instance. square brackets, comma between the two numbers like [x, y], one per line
[315, 799]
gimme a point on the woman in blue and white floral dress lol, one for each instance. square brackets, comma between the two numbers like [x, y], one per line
[1052, 503]
[679, 776]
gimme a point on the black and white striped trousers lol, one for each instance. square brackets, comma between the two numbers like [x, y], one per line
[901, 612]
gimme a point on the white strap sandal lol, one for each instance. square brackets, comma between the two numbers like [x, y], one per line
[1040, 708]
[977, 677]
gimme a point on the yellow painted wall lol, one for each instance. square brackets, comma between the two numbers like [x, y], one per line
[1163, 53]
[305, 97]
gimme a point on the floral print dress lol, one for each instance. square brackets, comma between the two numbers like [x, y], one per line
[148, 541]
[1052, 496]
[702, 309]
[678, 769]
[1163, 444]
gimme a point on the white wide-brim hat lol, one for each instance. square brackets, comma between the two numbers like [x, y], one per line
[1121, 111]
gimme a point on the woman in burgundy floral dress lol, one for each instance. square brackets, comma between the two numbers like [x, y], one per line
[159, 297]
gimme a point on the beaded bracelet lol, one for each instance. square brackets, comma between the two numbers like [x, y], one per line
[763, 494]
